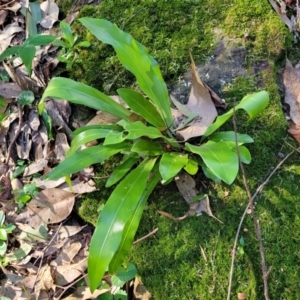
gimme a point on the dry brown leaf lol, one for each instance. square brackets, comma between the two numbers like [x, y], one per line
[50, 13]
[3, 15]
[24, 82]
[44, 281]
[61, 146]
[9, 90]
[294, 131]
[33, 120]
[14, 7]
[67, 254]
[65, 274]
[7, 34]
[68, 231]
[79, 187]
[241, 296]
[35, 167]
[84, 293]
[199, 102]
[57, 119]
[49, 184]
[103, 118]
[139, 290]
[24, 142]
[187, 187]
[48, 207]
[291, 81]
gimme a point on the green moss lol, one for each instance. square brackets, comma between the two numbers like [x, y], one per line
[168, 29]
[260, 28]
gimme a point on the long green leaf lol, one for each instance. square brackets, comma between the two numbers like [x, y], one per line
[80, 93]
[141, 106]
[86, 137]
[9, 51]
[103, 126]
[139, 129]
[40, 40]
[85, 158]
[121, 170]
[27, 54]
[253, 104]
[229, 136]
[133, 223]
[135, 58]
[170, 165]
[114, 137]
[119, 208]
[219, 158]
[147, 147]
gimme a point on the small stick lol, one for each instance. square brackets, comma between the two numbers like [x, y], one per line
[146, 236]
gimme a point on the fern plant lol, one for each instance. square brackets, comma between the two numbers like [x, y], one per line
[151, 151]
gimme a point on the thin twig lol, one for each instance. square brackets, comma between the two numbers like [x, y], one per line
[251, 199]
[146, 236]
[11, 145]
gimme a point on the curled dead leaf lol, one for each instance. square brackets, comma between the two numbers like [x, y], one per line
[48, 207]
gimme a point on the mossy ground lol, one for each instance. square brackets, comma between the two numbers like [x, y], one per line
[171, 263]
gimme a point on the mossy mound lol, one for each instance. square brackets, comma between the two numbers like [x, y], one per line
[169, 29]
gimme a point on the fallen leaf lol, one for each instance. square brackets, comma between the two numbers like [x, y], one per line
[24, 82]
[14, 7]
[65, 274]
[7, 34]
[294, 131]
[139, 290]
[68, 231]
[35, 167]
[3, 15]
[44, 281]
[291, 81]
[57, 119]
[9, 90]
[49, 183]
[50, 13]
[24, 142]
[33, 120]
[103, 117]
[48, 207]
[61, 146]
[79, 187]
[187, 187]
[241, 296]
[67, 254]
[84, 293]
[199, 102]
[30, 234]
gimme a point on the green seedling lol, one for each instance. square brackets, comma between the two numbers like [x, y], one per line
[69, 44]
[25, 194]
[5, 230]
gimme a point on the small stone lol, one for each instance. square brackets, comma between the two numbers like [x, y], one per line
[281, 155]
